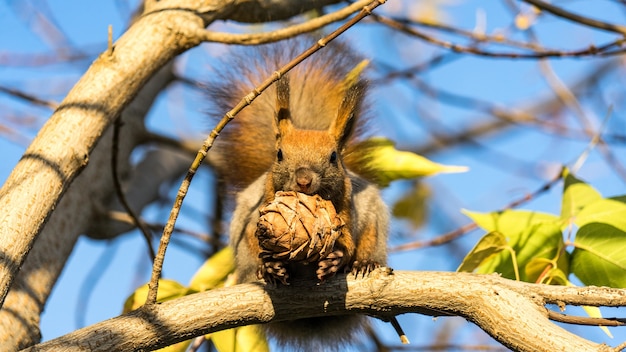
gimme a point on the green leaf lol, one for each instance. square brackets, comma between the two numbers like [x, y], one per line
[488, 246]
[608, 211]
[378, 160]
[576, 195]
[528, 235]
[168, 289]
[247, 338]
[214, 271]
[598, 258]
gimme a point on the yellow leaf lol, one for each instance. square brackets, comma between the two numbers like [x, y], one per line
[594, 312]
[214, 271]
[378, 160]
[526, 18]
[242, 339]
[177, 347]
[168, 289]
[412, 206]
[428, 11]
[523, 21]
[353, 76]
[487, 247]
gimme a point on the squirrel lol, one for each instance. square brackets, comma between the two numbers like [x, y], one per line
[294, 137]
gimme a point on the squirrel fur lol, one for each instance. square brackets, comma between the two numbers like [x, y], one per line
[294, 137]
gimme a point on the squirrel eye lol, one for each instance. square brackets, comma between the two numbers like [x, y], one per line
[279, 155]
[333, 157]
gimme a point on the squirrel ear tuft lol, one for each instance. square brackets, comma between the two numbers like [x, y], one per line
[343, 125]
[283, 114]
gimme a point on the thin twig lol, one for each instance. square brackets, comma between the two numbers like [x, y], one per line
[284, 33]
[29, 97]
[203, 237]
[570, 319]
[590, 22]
[452, 235]
[569, 99]
[537, 54]
[120, 193]
[110, 41]
[247, 100]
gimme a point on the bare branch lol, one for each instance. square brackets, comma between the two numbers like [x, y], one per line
[29, 97]
[283, 33]
[511, 312]
[564, 318]
[557, 11]
[536, 53]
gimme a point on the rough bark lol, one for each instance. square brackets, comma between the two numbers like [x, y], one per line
[511, 312]
[63, 146]
[77, 211]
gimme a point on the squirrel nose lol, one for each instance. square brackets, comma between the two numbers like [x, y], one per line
[304, 179]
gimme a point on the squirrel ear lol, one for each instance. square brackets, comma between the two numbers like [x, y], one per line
[283, 115]
[343, 126]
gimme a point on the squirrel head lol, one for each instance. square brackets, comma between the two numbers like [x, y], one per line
[310, 161]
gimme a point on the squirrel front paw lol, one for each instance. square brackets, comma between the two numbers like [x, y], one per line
[364, 267]
[330, 265]
[273, 272]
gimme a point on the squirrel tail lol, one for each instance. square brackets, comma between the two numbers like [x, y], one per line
[317, 334]
[245, 148]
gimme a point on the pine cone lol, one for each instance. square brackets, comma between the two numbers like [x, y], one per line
[298, 227]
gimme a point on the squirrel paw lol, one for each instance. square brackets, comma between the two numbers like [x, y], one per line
[330, 265]
[363, 267]
[273, 272]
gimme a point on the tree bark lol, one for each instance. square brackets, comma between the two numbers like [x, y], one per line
[63, 146]
[83, 203]
[511, 312]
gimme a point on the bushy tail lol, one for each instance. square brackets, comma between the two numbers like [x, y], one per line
[317, 334]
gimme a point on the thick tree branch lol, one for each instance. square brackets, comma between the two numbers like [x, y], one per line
[75, 214]
[511, 312]
[63, 146]
[255, 11]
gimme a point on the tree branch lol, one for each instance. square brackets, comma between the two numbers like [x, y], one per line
[586, 21]
[511, 312]
[75, 214]
[63, 146]
[283, 33]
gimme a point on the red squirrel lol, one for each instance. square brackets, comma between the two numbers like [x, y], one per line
[294, 137]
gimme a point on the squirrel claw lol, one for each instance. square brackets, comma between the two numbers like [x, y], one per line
[330, 265]
[273, 272]
[364, 267]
